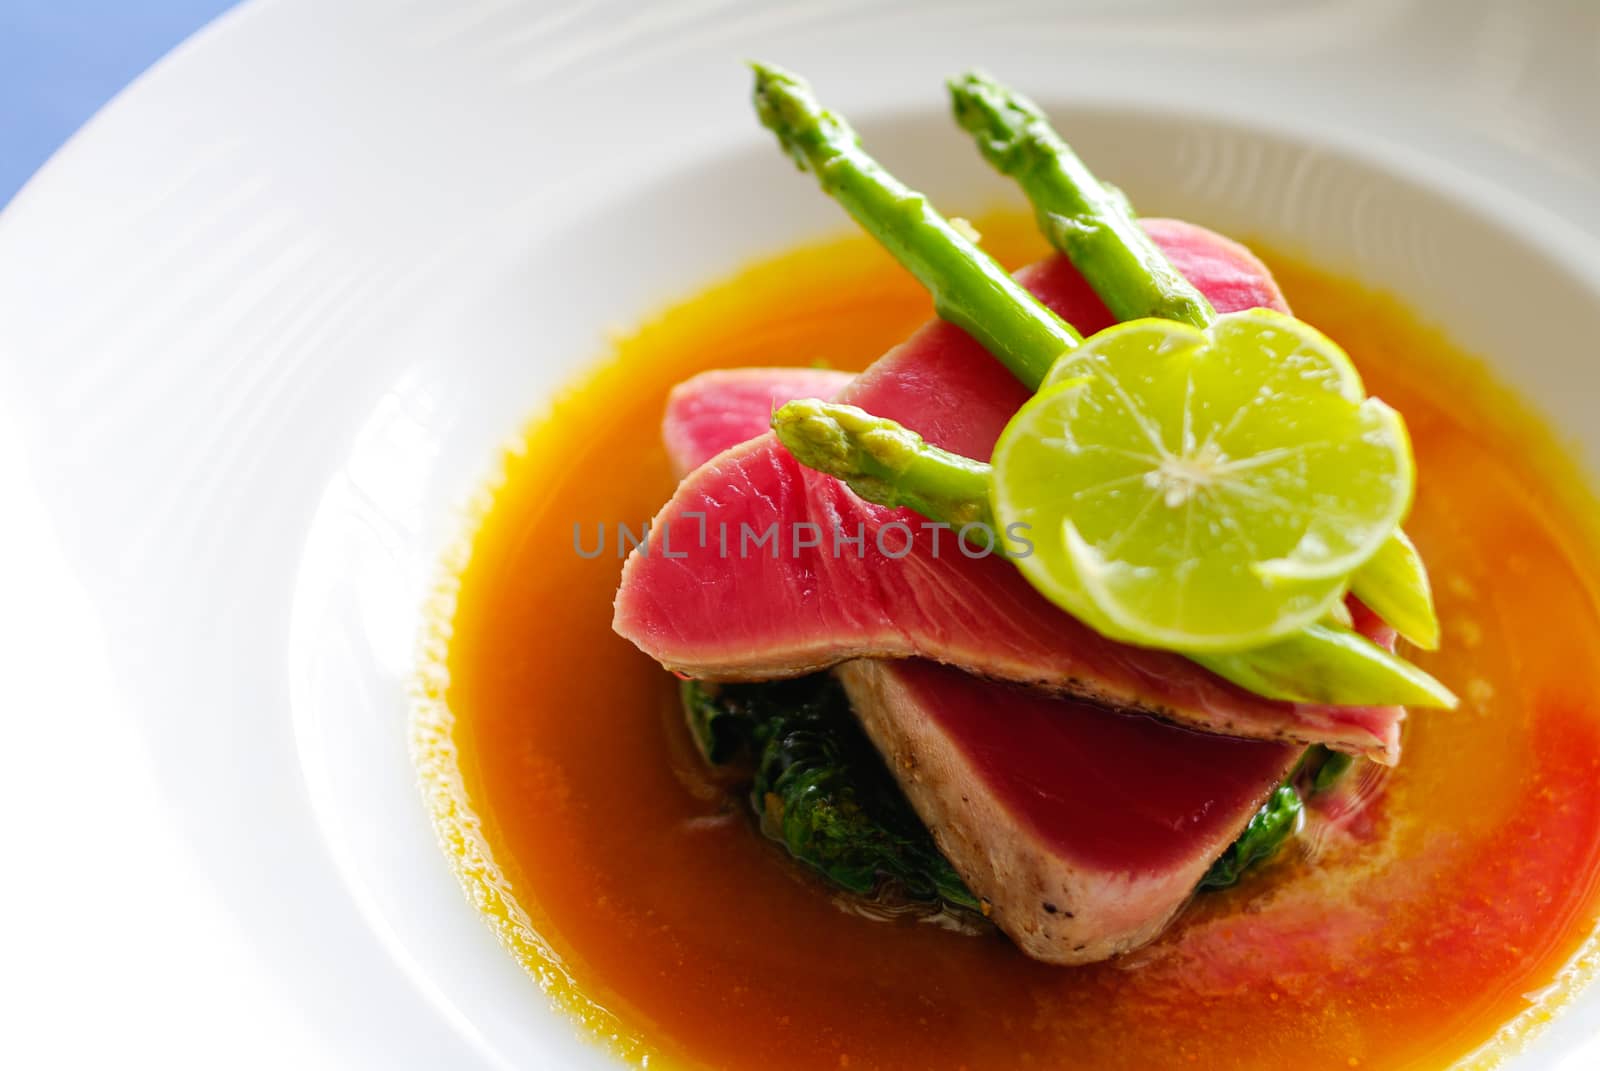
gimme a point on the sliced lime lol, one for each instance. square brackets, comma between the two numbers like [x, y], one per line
[1202, 490]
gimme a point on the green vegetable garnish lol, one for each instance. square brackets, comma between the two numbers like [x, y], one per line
[1329, 664]
[971, 291]
[1095, 228]
[969, 288]
[1082, 217]
[820, 788]
[1278, 819]
[1321, 768]
[1394, 585]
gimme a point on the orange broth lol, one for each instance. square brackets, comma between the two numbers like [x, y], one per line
[639, 894]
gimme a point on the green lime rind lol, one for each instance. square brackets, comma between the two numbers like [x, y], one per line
[1202, 489]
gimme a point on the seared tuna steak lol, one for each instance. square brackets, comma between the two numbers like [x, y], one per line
[758, 568]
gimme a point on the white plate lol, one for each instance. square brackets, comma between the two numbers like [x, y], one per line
[265, 321]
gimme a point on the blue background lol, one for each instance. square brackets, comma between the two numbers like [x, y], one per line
[60, 60]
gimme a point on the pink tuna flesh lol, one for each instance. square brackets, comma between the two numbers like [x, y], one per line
[729, 406]
[706, 598]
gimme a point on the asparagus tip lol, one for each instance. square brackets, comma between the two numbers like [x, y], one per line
[768, 73]
[809, 432]
[842, 440]
[1001, 120]
[785, 106]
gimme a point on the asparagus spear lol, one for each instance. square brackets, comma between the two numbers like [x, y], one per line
[1083, 218]
[1394, 584]
[1329, 665]
[887, 463]
[1094, 227]
[969, 288]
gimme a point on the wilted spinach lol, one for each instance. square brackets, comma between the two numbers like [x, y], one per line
[1280, 818]
[1269, 828]
[820, 788]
